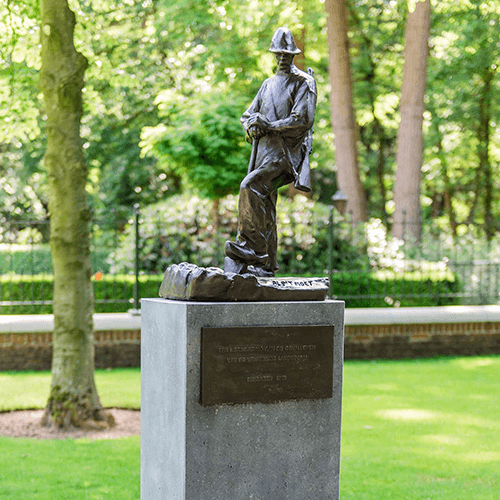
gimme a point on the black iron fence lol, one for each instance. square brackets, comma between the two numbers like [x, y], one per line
[26, 271]
[377, 272]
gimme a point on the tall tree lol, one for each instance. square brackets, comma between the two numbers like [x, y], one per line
[463, 85]
[344, 124]
[407, 217]
[73, 397]
[376, 49]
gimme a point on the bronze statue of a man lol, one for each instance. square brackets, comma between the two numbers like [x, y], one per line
[278, 124]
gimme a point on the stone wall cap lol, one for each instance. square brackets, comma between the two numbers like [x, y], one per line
[422, 315]
[39, 323]
[363, 316]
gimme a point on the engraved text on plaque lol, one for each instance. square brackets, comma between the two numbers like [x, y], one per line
[266, 364]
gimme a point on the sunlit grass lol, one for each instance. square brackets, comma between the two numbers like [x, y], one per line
[25, 390]
[421, 429]
[70, 469]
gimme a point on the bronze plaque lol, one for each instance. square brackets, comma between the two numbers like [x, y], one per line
[266, 364]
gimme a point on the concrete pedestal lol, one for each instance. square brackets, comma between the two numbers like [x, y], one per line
[286, 450]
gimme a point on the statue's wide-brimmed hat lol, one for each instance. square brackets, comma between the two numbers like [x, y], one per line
[283, 42]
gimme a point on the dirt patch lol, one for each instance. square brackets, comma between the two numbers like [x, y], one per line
[26, 424]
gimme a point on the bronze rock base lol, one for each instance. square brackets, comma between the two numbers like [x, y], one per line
[187, 281]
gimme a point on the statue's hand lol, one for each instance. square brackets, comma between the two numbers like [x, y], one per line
[260, 120]
[256, 132]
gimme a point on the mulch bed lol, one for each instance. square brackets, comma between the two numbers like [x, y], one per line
[26, 424]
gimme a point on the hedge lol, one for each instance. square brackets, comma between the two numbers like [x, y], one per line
[111, 293]
[358, 289]
[390, 289]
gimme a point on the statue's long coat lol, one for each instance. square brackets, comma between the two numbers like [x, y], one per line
[288, 100]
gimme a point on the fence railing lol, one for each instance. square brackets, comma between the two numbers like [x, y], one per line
[435, 272]
[26, 271]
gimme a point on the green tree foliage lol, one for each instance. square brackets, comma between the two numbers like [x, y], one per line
[21, 123]
[377, 37]
[137, 51]
[202, 144]
[19, 66]
[463, 155]
[461, 122]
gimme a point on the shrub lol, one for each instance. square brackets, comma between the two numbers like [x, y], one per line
[181, 230]
[303, 239]
[429, 287]
[17, 288]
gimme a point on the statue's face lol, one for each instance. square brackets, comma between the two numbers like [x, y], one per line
[283, 60]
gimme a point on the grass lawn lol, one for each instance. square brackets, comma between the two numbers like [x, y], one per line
[120, 388]
[419, 429]
[69, 469]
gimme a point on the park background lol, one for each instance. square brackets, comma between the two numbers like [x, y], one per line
[164, 154]
[163, 93]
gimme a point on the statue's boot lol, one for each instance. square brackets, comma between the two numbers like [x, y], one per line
[233, 266]
[242, 260]
[244, 254]
[260, 272]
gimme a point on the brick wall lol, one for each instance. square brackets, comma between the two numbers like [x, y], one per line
[421, 340]
[121, 348]
[33, 351]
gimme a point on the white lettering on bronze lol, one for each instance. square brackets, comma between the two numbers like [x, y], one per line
[304, 347]
[265, 348]
[266, 364]
[260, 378]
[294, 357]
[293, 283]
[265, 359]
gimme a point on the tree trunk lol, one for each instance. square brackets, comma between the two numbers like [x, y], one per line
[407, 217]
[215, 215]
[344, 125]
[483, 136]
[448, 191]
[378, 129]
[73, 398]
[378, 142]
